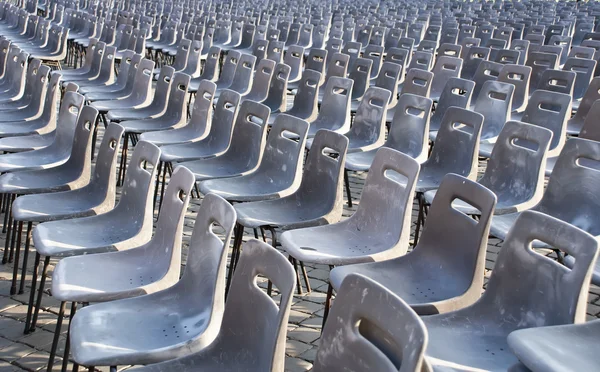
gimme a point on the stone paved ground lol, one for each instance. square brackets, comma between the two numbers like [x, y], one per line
[30, 352]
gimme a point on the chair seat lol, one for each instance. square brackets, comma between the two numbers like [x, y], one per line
[285, 213]
[411, 279]
[429, 179]
[31, 160]
[109, 276]
[60, 205]
[185, 134]
[252, 187]
[142, 330]
[35, 182]
[96, 234]
[558, 348]
[189, 151]
[218, 167]
[22, 128]
[148, 125]
[336, 244]
[477, 342]
[131, 114]
[26, 143]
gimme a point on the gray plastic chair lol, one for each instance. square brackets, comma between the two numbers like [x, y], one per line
[83, 278]
[211, 69]
[197, 323]
[114, 230]
[196, 128]
[518, 296]
[334, 114]
[455, 148]
[450, 50]
[576, 162]
[306, 100]
[305, 206]
[120, 82]
[507, 56]
[408, 133]
[540, 62]
[280, 169]
[261, 81]
[591, 95]
[218, 139]
[245, 152]
[371, 327]
[518, 76]
[360, 74]
[277, 97]
[249, 315]
[590, 129]
[73, 173]
[385, 206]
[242, 78]
[445, 68]
[515, 170]
[555, 348]
[175, 113]
[457, 93]
[494, 103]
[557, 81]
[472, 58]
[421, 60]
[584, 68]
[96, 197]
[35, 87]
[159, 101]
[39, 133]
[458, 258]
[368, 128]
[487, 71]
[417, 82]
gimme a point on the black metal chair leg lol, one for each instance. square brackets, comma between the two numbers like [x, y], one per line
[25, 257]
[348, 192]
[67, 343]
[38, 304]
[327, 305]
[13, 287]
[59, 321]
[32, 294]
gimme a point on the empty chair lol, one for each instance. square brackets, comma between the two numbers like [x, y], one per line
[518, 76]
[276, 99]
[218, 139]
[591, 95]
[279, 171]
[421, 60]
[540, 62]
[458, 93]
[199, 316]
[306, 100]
[557, 81]
[368, 129]
[261, 81]
[210, 70]
[515, 170]
[536, 347]
[591, 127]
[156, 108]
[417, 82]
[457, 258]
[360, 74]
[408, 133]
[83, 278]
[472, 59]
[507, 56]
[334, 114]
[246, 149]
[450, 50]
[584, 68]
[306, 206]
[445, 68]
[577, 161]
[520, 294]
[385, 206]
[248, 315]
[494, 103]
[487, 70]
[366, 303]
[114, 230]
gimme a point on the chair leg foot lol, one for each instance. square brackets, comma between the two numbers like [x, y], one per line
[61, 314]
[327, 305]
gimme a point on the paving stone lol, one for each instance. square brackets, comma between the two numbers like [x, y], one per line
[294, 348]
[36, 361]
[304, 334]
[297, 365]
[15, 351]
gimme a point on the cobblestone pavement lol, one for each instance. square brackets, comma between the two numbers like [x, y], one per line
[30, 352]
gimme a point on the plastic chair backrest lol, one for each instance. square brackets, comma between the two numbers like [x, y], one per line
[409, 130]
[494, 103]
[458, 93]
